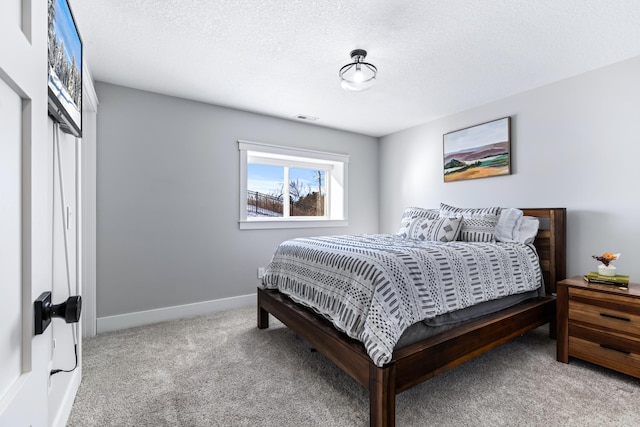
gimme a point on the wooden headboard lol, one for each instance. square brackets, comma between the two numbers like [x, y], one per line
[551, 244]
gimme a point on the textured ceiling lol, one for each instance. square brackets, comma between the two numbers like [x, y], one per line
[281, 57]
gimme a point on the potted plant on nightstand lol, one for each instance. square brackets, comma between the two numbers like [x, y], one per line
[604, 268]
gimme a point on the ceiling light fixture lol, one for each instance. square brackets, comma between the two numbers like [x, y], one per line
[358, 75]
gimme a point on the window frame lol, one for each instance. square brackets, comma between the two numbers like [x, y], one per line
[336, 166]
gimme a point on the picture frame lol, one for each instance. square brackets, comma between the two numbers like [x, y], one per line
[479, 151]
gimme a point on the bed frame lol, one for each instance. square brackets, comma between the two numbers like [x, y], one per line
[418, 362]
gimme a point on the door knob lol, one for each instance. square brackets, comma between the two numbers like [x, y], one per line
[44, 311]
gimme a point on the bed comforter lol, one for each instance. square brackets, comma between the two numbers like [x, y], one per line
[373, 287]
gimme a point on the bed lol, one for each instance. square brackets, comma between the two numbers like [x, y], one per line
[418, 361]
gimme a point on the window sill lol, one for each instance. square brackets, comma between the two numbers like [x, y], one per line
[265, 224]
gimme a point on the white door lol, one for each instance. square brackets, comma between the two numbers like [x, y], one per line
[18, 381]
[25, 261]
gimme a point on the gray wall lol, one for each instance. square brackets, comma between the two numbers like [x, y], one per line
[575, 144]
[167, 198]
[167, 205]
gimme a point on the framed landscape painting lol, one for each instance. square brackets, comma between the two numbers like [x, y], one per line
[479, 151]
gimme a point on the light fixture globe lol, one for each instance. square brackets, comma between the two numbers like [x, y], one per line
[358, 75]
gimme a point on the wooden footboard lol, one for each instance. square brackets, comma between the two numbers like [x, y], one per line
[410, 365]
[418, 362]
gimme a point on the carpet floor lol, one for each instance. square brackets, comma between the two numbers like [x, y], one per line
[220, 370]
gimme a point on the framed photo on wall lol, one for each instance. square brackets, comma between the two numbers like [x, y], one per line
[479, 151]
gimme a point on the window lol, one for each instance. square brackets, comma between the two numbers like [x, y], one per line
[283, 187]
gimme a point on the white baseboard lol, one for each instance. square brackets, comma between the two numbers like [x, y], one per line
[129, 320]
[64, 411]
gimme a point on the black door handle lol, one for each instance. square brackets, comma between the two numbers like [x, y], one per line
[44, 311]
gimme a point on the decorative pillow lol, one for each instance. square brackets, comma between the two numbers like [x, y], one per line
[434, 230]
[478, 224]
[412, 213]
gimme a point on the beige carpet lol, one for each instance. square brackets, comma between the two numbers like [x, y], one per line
[220, 370]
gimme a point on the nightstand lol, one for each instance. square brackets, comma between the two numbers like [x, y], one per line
[599, 324]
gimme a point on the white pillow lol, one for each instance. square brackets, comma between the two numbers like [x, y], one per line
[434, 230]
[508, 224]
[527, 230]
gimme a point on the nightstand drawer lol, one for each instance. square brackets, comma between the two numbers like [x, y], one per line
[606, 309]
[613, 357]
[616, 301]
[605, 317]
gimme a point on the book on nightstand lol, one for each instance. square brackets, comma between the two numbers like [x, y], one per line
[617, 280]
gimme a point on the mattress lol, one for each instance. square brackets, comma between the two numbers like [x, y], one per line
[439, 324]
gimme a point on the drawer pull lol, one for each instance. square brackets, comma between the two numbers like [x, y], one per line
[614, 349]
[615, 317]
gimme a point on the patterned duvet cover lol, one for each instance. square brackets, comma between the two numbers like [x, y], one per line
[374, 286]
